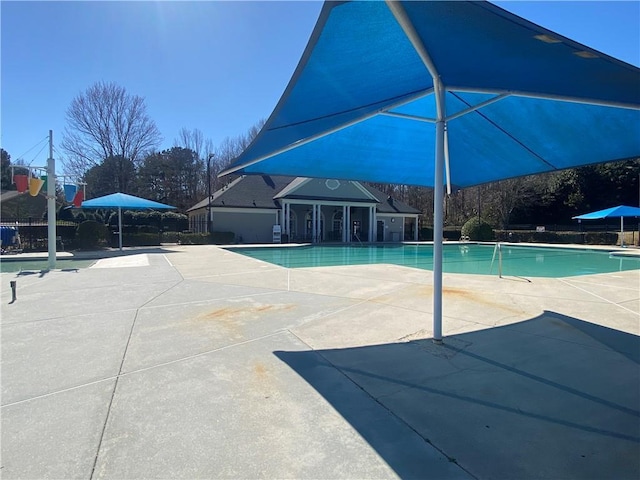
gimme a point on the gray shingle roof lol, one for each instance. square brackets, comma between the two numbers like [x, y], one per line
[251, 191]
[258, 191]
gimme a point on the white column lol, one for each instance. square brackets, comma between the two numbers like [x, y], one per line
[313, 223]
[288, 220]
[371, 224]
[344, 224]
[319, 219]
[320, 223]
[348, 224]
[415, 230]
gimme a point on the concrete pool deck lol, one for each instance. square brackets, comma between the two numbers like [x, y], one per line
[196, 362]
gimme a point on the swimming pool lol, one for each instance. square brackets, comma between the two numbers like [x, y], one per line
[12, 265]
[457, 258]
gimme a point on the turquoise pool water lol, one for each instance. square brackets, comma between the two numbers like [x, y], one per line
[7, 266]
[457, 258]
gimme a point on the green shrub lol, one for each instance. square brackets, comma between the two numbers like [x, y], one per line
[171, 237]
[222, 238]
[217, 238]
[147, 229]
[531, 236]
[451, 233]
[140, 239]
[167, 221]
[425, 234]
[91, 234]
[477, 230]
[194, 239]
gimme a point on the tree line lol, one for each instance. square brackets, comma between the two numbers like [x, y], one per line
[111, 143]
[543, 199]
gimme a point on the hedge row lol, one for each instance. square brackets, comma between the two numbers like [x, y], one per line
[587, 238]
[150, 239]
[532, 236]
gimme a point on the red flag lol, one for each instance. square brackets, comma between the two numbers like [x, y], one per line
[22, 183]
[77, 200]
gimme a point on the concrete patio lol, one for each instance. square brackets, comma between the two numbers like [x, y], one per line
[195, 362]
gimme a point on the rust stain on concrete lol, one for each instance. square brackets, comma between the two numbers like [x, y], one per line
[234, 316]
[451, 293]
[244, 312]
[475, 297]
[260, 370]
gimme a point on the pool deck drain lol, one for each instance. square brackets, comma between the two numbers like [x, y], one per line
[195, 362]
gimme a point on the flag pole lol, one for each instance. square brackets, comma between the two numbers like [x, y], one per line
[51, 204]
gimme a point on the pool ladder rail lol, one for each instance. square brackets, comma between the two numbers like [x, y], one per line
[497, 249]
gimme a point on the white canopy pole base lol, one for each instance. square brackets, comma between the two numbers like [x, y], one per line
[438, 217]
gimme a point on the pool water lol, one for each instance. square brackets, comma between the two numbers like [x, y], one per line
[7, 266]
[457, 258]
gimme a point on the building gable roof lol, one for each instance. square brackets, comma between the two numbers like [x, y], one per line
[251, 191]
[388, 204]
[303, 188]
[265, 191]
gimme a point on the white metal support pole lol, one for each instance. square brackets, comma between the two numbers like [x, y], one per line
[120, 227]
[405, 23]
[438, 226]
[51, 204]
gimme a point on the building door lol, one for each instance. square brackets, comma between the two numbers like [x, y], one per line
[380, 235]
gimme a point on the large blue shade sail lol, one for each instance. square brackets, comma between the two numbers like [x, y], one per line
[434, 92]
[517, 99]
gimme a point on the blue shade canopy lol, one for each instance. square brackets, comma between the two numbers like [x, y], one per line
[516, 99]
[619, 211]
[125, 202]
[434, 92]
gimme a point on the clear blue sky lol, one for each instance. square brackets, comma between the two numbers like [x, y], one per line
[215, 66]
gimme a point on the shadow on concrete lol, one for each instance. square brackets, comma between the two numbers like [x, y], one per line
[550, 397]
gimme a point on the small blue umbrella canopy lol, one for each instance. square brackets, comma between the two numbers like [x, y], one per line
[124, 201]
[619, 211]
[444, 93]
[613, 212]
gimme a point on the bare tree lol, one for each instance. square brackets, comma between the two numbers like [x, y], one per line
[228, 150]
[193, 140]
[107, 122]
